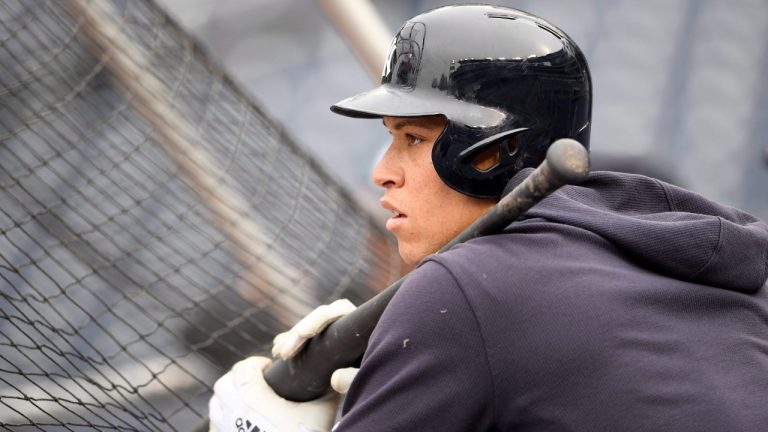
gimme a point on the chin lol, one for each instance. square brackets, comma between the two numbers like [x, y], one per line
[407, 254]
[412, 255]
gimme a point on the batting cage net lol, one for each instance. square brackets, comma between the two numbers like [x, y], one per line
[155, 225]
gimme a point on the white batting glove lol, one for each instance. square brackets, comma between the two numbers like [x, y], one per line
[288, 344]
[244, 402]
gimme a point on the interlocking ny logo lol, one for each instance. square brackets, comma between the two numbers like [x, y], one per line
[402, 66]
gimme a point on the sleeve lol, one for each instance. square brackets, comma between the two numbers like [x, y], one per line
[426, 366]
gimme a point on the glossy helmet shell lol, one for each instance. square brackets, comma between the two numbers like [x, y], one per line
[504, 79]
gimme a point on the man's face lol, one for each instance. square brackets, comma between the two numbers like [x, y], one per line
[427, 214]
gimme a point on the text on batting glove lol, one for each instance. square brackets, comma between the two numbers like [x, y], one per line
[244, 402]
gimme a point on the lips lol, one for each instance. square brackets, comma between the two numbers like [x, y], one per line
[397, 216]
[391, 207]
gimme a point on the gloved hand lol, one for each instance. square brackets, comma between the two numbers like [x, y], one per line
[288, 344]
[244, 402]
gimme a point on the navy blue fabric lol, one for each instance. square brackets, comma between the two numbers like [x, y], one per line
[624, 304]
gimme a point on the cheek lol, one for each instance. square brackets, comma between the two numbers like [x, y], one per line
[427, 213]
[437, 213]
[432, 197]
[441, 213]
[449, 212]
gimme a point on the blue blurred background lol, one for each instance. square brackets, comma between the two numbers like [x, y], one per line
[679, 85]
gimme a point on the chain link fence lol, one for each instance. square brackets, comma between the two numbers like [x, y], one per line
[155, 224]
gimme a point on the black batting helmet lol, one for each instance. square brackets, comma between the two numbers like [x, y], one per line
[508, 83]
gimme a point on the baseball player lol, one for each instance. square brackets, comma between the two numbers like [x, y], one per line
[621, 304]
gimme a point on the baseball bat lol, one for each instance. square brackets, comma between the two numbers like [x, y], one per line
[307, 376]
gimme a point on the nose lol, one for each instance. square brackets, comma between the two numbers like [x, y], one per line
[388, 172]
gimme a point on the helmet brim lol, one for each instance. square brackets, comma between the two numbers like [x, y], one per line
[394, 101]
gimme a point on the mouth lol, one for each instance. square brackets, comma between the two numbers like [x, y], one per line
[397, 216]
[395, 222]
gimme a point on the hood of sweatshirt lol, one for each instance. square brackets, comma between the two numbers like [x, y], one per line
[674, 231]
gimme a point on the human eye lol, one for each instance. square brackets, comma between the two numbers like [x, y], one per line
[413, 140]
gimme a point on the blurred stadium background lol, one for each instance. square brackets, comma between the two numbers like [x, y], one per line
[679, 84]
[158, 225]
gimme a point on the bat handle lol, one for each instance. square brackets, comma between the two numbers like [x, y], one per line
[307, 375]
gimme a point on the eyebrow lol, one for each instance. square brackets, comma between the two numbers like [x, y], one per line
[407, 122]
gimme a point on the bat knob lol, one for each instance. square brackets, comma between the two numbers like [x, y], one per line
[568, 161]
